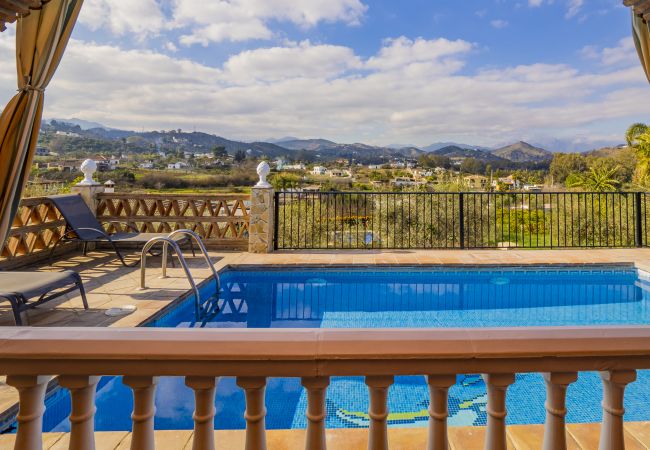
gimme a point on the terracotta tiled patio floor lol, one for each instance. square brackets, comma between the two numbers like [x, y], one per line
[520, 437]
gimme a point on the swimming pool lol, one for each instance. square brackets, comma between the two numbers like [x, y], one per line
[386, 298]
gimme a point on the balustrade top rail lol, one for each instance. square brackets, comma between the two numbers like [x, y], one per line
[220, 219]
[79, 355]
[428, 220]
[315, 352]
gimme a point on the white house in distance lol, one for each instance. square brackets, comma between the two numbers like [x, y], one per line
[299, 166]
[42, 151]
[338, 173]
[177, 166]
[146, 165]
[319, 170]
[403, 181]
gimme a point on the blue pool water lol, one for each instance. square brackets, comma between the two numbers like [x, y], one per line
[344, 298]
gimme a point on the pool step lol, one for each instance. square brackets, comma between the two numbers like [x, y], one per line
[520, 437]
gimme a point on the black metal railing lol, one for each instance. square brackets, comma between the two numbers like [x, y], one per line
[420, 220]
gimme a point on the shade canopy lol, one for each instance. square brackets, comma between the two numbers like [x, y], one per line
[41, 38]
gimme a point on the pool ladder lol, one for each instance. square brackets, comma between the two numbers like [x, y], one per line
[169, 241]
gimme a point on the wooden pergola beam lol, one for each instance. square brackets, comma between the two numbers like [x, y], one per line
[11, 10]
[640, 7]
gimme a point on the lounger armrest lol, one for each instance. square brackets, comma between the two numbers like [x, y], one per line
[103, 233]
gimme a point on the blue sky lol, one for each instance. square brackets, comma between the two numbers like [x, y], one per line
[562, 73]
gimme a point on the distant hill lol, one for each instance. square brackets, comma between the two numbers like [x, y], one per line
[305, 144]
[438, 145]
[523, 152]
[83, 124]
[610, 152]
[306, 150]
[454, 151]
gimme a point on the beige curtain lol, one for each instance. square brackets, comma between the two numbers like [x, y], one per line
[641, 33]
[41, 38]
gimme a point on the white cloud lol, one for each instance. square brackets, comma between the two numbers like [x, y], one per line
[411, 90]
[499, 23]
[239, 20]
[140, 17]
[574, 8]
[402, 52]
[623, 53]
[302, 60]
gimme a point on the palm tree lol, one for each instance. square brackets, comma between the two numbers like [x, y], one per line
[634, 132]
[599, 179]
[638, 137]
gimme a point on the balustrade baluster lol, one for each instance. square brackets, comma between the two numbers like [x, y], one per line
[554, 429]
[497, 386]
[611, 432]
[204, 411]
[378, 433]
[438, 410]
[82, 415]
[31, 395]
[316, 412]
[255, 411]
[144, 410]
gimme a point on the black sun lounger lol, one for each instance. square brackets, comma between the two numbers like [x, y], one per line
[19, 287]
[82, 225]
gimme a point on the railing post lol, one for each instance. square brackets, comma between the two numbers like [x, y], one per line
[255, 411]
[554, 429]
[31, 394]
[378, 412]
[276, 215]
[461, 218]
[438, 410]
[262, 214]
[204, 411]
[611, 432]
[497, 385]
[316, 412]
[82, 416]
[638, 222]
[144, 410]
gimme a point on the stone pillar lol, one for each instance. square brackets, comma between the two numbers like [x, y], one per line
[88, 188]
[262, 214]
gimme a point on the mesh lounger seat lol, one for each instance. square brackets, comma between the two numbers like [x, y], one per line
[19, 287]
[82, 225]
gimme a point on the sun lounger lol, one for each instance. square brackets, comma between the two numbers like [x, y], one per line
[18, 288]
[82, 225]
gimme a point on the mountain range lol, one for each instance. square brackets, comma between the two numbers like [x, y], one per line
[308, 150]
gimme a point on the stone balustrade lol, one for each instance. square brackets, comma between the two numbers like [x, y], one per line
[30, 357]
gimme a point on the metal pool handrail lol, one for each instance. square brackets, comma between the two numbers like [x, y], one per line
[167, 241]
[199, 242]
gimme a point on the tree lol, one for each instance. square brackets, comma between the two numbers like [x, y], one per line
[433, 161]
[634, 131]
[638, 137]
[598, 179]
[564, 164]
[472, 165]
[219, 152]
[240, 156]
